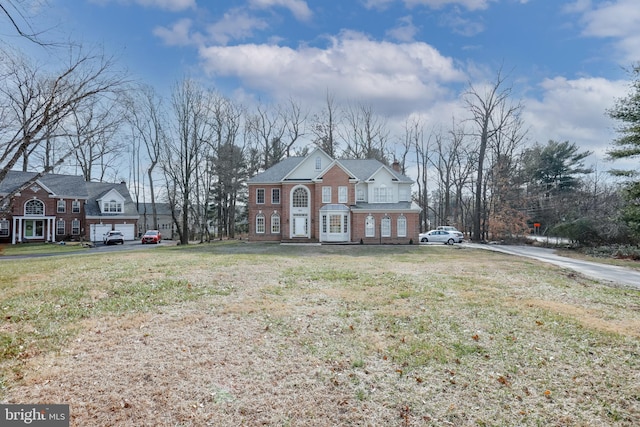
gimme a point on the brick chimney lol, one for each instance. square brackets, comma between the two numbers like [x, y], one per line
[396, 166]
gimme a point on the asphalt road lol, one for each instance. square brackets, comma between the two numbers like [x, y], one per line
[609, 274]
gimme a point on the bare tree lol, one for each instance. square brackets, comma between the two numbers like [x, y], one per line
[37, 103]
[148, 121]
[92, 131]
[324, 127]
[182, 154]
[491, 114]
[16, 13]
[365, 134]
[414, 134]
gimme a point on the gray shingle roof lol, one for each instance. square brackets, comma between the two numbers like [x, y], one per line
[277, 172]
[362, 169]
[98, 189]
[68, 186]
[161, 208]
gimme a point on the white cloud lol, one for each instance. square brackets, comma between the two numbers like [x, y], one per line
[405, 31]
[298, 8]
[171, 5]
[394, 77]
[235, 25]
[618, 20]
[575, 111]
[438, 4]
[176, 35]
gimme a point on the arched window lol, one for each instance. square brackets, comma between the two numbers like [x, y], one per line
[300, 198]
[34, 207]
[260, 226]
[402, 226]
[275, 223]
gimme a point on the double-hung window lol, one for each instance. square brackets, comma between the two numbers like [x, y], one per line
[342, 194]
[275, 196]
[326, 194]
[75, 227]
[60, 227]
[260, 226]
[402, 226]
[260, 196]
[62, 206]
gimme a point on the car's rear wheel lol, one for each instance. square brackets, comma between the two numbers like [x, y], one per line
[450, 242]
[424, 240]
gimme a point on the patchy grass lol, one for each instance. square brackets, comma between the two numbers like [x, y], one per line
[244, 334]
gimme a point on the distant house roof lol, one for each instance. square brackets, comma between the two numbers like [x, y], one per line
[161, 208]
[68, 186]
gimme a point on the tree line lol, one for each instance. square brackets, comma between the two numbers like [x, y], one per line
[196, 149]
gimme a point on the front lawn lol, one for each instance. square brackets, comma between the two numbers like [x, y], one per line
[263, 334]
[40, 248]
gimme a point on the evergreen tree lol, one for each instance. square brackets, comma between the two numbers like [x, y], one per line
[627, 145]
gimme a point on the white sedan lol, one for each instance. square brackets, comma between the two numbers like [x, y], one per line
[441, 236]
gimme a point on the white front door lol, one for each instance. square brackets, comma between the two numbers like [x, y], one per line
[300, 226]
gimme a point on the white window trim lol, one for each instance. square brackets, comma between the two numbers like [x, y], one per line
[402, 226]
[326, 194]
[264, 225]
[264, 196]
[385, 227]
[370, 231]
[343, 194]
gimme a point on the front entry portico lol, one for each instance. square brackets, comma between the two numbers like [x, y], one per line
[31, 228]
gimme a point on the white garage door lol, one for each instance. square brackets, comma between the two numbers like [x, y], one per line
[97, 231]
[128, 230]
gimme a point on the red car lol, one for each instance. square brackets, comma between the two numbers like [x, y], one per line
[151, 236]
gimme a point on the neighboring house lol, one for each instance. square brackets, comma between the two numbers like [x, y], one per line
[64, 207]
[320, 199]
[165, 219]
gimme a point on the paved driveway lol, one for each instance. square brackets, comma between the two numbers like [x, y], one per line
[606, 273]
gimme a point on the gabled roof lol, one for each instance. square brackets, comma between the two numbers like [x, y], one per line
[365, 169]
[67, 186]
[361, 169]
[98, 189]
[277, 172]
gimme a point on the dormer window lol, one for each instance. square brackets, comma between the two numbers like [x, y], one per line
[112, 206]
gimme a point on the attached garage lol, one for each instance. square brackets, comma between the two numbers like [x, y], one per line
[128, 230]
[98, 230]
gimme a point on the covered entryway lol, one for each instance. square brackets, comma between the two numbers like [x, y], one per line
[300, 212]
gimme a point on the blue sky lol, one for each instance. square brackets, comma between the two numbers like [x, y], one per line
[565, 59]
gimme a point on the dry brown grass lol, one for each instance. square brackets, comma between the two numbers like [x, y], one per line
[333, 336]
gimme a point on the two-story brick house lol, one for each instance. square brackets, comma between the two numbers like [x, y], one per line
[320, 199]
[63, 207]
